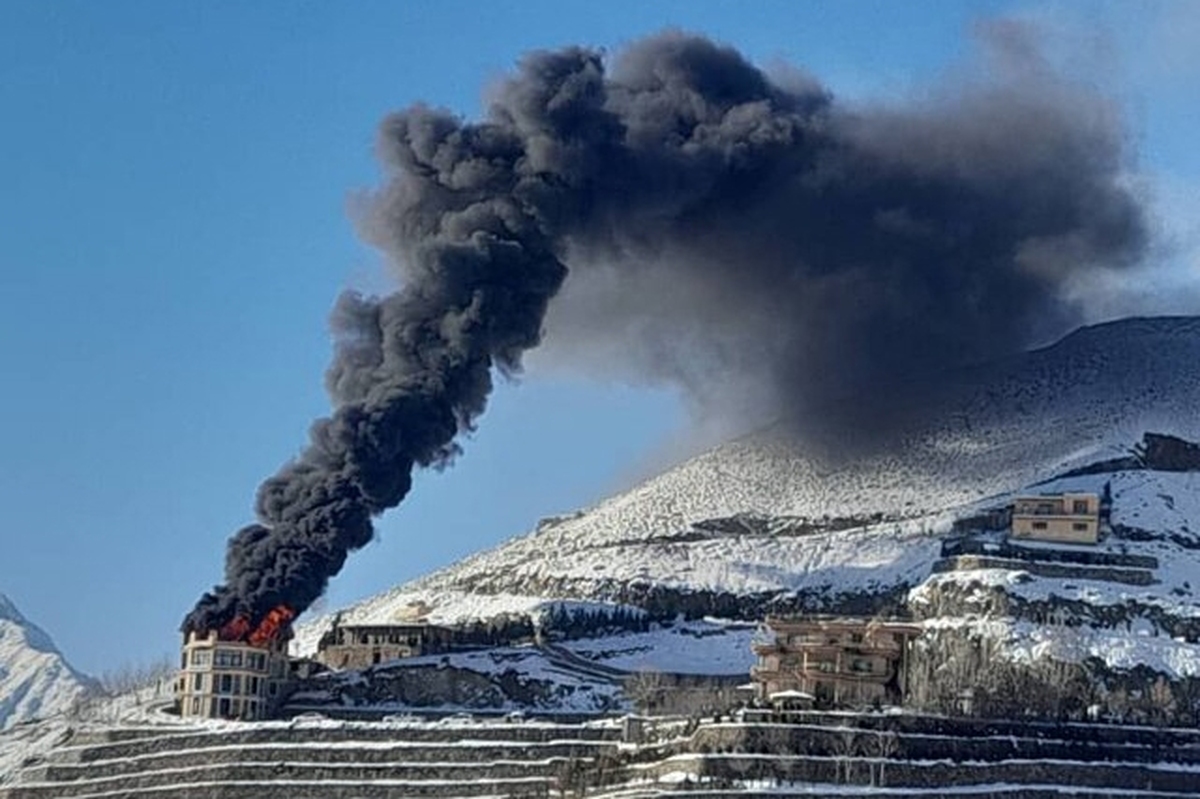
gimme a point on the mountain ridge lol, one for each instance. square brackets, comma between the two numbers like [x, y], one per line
[987, 431]
[36, 680]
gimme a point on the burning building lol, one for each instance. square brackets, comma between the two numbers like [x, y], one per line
[237, 671]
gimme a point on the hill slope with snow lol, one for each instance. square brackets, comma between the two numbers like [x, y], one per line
[35, 680]
[767, 517]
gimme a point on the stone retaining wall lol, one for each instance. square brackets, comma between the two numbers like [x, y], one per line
[526, 787]
[825, 741]
[426, 760]
[283, 772]
[1078, 556]
[931, 774]
[348, 733]
[389, 756]
[1112, 574]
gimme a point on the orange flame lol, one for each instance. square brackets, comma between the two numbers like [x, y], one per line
[235, 629]
[268, 629]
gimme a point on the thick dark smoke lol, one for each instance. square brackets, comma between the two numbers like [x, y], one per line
[717, 222]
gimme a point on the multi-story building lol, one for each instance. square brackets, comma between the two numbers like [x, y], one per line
[358, 646]
[1072, 518]
[835, 660]
[231, 679]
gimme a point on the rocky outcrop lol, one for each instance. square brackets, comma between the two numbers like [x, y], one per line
[1169, 453]
[1157, 451]
[441, 685]
[1112, 574]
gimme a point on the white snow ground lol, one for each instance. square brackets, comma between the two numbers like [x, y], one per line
[700, 647]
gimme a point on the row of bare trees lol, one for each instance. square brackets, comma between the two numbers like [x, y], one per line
[967, 675]
[136, 683]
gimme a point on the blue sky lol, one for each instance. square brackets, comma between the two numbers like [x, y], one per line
[173, 232]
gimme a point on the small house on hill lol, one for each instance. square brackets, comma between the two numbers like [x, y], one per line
[1070, 518]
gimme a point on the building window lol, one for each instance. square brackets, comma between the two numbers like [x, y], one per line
[861, 665]
[226, 684]
[198, 683]
[201, 657]
[1080, 526]
[195, 706]
[1039, 525]
[1081, 506]
[223, 708]
[228, 659]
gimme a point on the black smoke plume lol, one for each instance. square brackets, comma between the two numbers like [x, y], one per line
[717, 220]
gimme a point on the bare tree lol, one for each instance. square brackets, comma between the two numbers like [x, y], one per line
[883, 746]
[132, 677]
[645, 688]
[1162, 701]
[845, 749]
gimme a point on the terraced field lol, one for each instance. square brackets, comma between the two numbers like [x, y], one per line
[823, 754]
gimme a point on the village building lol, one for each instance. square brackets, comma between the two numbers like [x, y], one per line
[225, 679]
[358, 646]
[831, 661]
[1070, 518]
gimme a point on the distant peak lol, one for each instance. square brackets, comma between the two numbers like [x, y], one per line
[9, 611]
[1142, 324]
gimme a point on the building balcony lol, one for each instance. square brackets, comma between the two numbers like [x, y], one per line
[762, 674]
[849, 648]
[1066, 517]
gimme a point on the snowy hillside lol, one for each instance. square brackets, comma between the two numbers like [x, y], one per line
[35, 680]
[1156, 515]
[765, 516]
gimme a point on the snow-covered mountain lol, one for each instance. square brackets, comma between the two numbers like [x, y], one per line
[766, 519]
[35, 679]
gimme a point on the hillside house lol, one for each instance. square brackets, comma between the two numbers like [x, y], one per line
[834, 660]
[358, 646]
[1071, 518]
